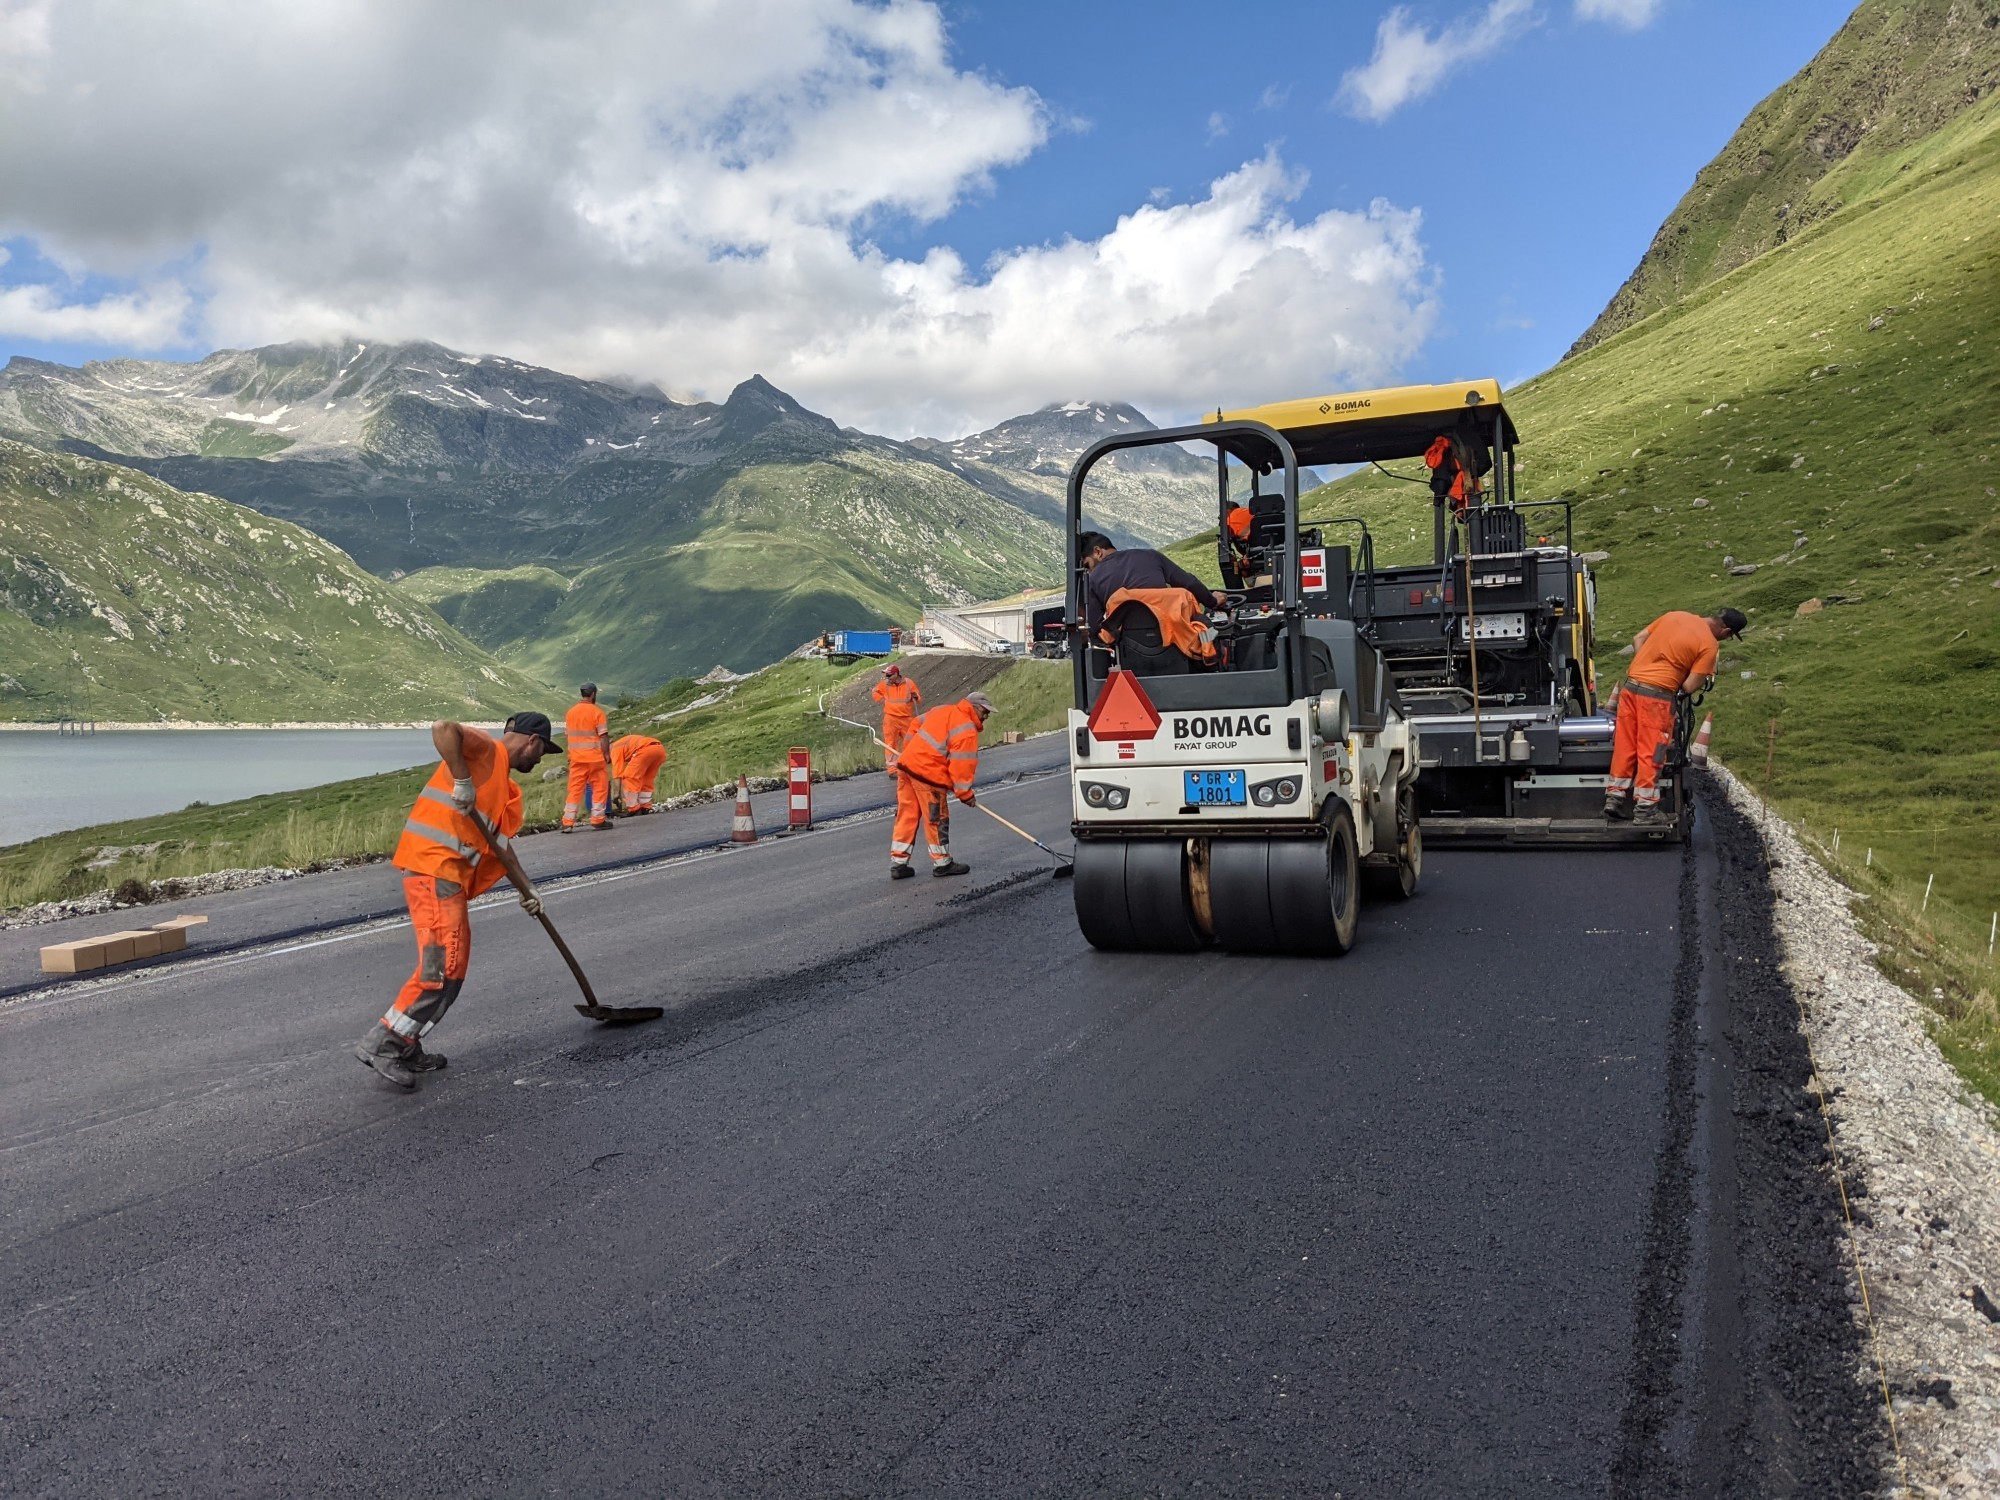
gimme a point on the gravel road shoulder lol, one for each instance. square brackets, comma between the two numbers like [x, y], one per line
[1921, 1159]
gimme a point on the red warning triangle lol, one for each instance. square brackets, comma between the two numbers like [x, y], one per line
[1123, 711]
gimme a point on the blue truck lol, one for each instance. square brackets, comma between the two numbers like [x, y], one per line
[861, 643]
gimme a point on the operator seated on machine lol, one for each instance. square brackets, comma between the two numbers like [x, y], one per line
[1146, 607]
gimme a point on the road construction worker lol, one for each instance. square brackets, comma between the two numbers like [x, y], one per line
[588, 740]
[1674, 655]
[455, 845]
[939, 760]
[900, 701]
[635, 765]
[1146, 605]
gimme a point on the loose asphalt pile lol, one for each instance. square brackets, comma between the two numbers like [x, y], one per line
[1921, 1160]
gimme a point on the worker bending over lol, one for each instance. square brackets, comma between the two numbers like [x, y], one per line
[900, 701]
[635, 765]
[1146, 606]
[1672, 656]
[589, 738]
[940, 758]
[455, 845]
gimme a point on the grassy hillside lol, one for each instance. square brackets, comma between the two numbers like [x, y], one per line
[777, 553]
[122, 598]
[746, 730]
[1897, 72]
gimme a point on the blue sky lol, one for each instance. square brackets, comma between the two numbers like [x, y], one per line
[918, 217]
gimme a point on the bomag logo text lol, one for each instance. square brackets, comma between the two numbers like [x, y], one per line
[1221, 726]
[1352, 405]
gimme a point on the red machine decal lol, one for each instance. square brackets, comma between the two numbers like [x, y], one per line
[1123, 711]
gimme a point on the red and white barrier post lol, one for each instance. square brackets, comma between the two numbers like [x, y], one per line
[802, 787]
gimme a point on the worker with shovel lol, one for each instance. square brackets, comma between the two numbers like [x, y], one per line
[938, 760]
[455, 845]
[900, 701]
[1671, 658]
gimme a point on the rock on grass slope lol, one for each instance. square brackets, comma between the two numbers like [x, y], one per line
[1825, 414]
[122, 598]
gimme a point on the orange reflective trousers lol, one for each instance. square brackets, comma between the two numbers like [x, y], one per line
[591, 775]
[444, 949]
[920, 802]
[1643, 727]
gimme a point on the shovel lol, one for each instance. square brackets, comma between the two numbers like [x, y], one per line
[616, 1015]
[1066, 866]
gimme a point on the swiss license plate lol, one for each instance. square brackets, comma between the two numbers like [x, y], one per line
[1214, 788]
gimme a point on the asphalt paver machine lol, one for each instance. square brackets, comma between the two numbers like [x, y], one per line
[1489, 644]
[1242, 803]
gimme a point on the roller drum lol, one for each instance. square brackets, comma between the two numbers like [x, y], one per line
[1131, 896]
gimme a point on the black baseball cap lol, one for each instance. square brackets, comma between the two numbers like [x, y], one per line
[587, 689]
[535, 724]
[1733, 620]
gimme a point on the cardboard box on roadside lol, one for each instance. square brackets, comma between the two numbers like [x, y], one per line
[87, 954]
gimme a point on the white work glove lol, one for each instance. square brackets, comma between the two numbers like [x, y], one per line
[463, 794]
[531, 903]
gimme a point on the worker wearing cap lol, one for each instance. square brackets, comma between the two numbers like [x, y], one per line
[1673, 655]
[635, 765]
[900, 701]
[938, 760]
[589, 743]
[455, 845]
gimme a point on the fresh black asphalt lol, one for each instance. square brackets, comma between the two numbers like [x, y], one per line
[913, 1193]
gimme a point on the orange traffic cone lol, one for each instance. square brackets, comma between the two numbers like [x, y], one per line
[743, 829]
[1698, 751]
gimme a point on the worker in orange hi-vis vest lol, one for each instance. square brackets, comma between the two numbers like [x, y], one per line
[1674, 655]
[588, 744]
[455, 845]
[635, 765]
[900, 701]
[938, 760]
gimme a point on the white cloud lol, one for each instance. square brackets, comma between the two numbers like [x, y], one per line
[151, 319]
[1633, 15]
[1409, 62]
[686, 192]
[1274, 96]
[1218, 125]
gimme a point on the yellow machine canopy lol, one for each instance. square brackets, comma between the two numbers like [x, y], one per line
[1400, 422]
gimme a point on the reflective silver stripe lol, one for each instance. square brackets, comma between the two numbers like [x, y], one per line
[965, 755]
[399, 1023]
[432, 794]
[439, 836]
[500, 840]
[935, 744]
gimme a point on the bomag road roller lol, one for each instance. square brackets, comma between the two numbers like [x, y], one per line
[1489, 644]
[1239, 791]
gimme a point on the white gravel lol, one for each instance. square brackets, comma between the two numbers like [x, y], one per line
[1928, 1151]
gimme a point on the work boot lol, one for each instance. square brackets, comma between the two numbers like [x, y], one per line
[569, 828]
[951, 867]
[386, 1056]
[900, 872]
[1617, 809]
[604, 827]
[1651, 817]
[420, 1061]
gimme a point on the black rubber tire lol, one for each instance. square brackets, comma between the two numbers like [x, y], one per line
[1400, 882]
[1316, 889]
[1131, 896]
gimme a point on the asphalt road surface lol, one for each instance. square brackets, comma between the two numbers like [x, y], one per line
[913, 1193]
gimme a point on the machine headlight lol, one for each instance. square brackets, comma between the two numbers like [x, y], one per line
[1104, 794]
[1115, 797]
[1276, 793]
[1095, 794]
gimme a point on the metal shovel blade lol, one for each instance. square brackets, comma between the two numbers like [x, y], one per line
[621, 1015]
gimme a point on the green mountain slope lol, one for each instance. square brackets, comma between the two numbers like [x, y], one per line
[122, 598]
[779, 552]
[1896, 73]
[1825, 415]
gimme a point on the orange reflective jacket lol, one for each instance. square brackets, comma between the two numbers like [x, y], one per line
[899, 700]
[1174, 609]
[943, 748]
[635, 756]
[440, 840]
[588, 736]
